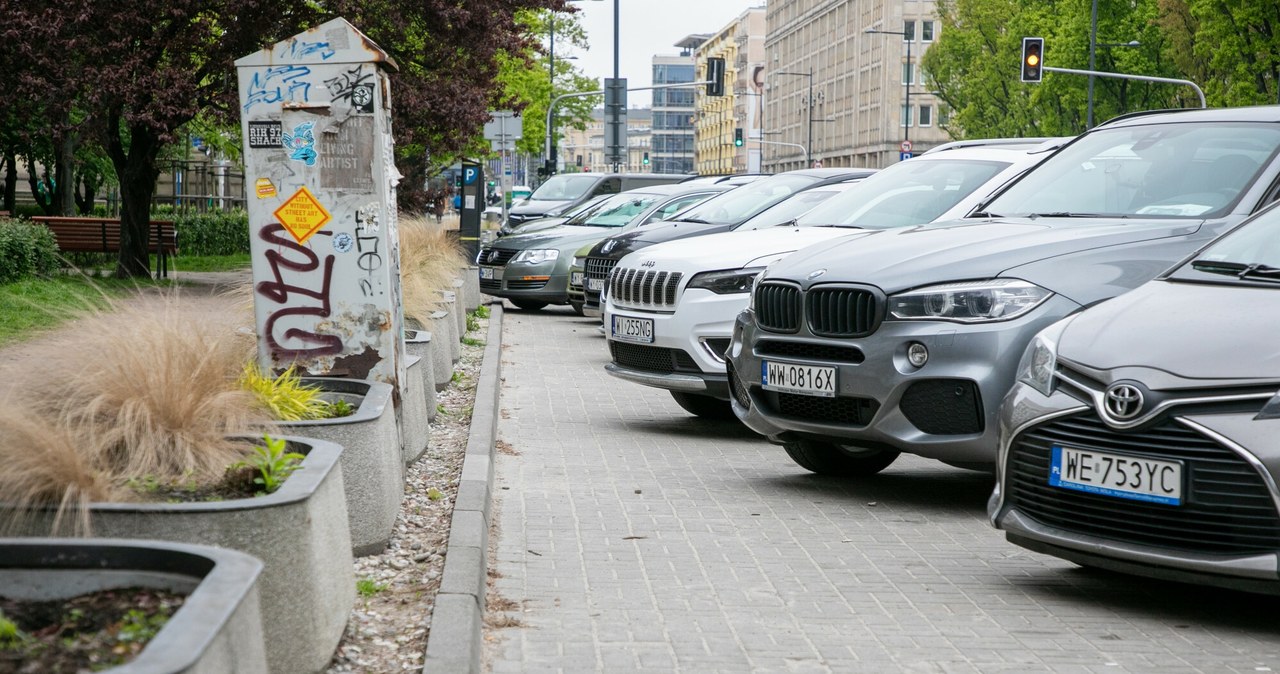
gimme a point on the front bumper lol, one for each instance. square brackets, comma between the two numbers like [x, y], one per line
[1203, 540]
[520, 281]
[696, 333]
[945, 410]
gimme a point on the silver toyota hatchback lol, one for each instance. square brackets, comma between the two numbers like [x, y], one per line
[1143, 434]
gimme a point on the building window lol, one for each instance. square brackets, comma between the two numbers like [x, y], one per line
[926, 115]
[908, 31]
[906, 116]
[908, 70]
[926, 30]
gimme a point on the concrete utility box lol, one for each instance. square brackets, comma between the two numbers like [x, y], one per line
[316, 127]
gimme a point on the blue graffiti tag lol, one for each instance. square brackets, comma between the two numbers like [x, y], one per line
[279, 83]
[302, 142]
[300, 48]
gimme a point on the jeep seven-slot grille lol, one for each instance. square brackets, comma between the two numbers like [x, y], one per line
[1226, 507]
[842, 312]
[644, 287]
[495, 257]
[652, 358]
[778, 307]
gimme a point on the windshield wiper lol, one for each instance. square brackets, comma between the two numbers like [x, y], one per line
[695, 221]
[1069, 214]
[1237, 269]
[984, 214]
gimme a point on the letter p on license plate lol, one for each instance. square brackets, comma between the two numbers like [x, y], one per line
[810, 380]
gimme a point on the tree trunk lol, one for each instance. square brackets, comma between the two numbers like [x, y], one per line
[35, 181]
[136, 168]
[64, 175]
[85, 198]
[10, 202]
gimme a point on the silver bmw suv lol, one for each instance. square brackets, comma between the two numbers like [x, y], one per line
[906, 340]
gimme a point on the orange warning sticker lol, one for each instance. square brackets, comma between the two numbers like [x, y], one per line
[302, 214]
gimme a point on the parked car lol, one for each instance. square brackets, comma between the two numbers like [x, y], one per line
[539, 224]
[566, 190]
[677, 340]
[721, 214]
[532, 270]
[907, 339]
[1141, 435]
[683, 196]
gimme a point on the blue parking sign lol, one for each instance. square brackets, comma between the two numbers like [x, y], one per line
[903, 156]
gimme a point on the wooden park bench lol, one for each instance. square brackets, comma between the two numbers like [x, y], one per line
[102, 235]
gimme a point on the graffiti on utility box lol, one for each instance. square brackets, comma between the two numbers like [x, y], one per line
[325, 247]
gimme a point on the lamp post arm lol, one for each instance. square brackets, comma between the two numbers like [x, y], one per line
[1140, 78]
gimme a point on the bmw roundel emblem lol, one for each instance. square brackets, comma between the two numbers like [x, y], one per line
[815, 274]
[1123, 401]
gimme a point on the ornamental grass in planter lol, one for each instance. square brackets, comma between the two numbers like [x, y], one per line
[104, 432]
[429, 263]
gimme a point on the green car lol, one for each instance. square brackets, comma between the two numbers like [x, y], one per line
[532, 270]
[577, 296]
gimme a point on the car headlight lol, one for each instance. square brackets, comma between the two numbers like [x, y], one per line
[968, 301]
[536, 255]
[726, 281]
[1040, 360]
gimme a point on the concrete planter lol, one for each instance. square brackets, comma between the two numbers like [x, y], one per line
[472, 298]
[453, 305]
[307, 586]
[435, 359]
[372, 466]
[415, 427]
[445, 327]
[219, 627]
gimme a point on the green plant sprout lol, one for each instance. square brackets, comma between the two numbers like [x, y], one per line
[481, 311]
[286, 396]
[272, 463]
[434, 494]
[472, 341]
[368, 587]
[10, 636]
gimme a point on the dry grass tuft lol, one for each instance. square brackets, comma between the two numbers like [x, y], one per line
[146, 389]
[429, 261]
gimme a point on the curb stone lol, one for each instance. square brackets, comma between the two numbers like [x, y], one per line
[454, 643]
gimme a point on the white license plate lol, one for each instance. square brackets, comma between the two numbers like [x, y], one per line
[595, 284]
[486, 273]
[628, 329]
[1131, 477]
[575, 279]
[810, 380]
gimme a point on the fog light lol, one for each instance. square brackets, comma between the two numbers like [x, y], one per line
[917, 354]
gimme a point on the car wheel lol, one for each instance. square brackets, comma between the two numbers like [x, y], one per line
[529, 305]
[704, 407]
[825, 458]
[577, 308]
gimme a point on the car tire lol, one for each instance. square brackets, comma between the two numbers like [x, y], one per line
[704, 407]
[577, 308]
[825, 458]
[529, 305]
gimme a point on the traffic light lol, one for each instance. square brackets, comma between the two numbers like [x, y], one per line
[715, 76]
[645, 159]
[737, 137]
[1032, 59]
[457, 181]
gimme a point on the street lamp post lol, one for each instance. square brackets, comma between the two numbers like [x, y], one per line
[1093, 48]
[906, 100]
[808, 143]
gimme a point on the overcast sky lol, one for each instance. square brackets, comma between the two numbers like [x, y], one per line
[646, 27]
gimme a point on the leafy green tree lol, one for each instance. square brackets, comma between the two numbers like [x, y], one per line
[974, 66]
[1230, 47]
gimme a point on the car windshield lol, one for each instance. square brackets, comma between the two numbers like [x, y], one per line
[907, 193]
[736, 205]
[563, 188]
[1250, 252]
[789, 209]
[616, 211]
[1184, 170]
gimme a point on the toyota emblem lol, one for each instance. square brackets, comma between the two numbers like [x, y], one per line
[1123, 401]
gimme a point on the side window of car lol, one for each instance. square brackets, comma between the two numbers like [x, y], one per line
[608, 186]
[673, 208]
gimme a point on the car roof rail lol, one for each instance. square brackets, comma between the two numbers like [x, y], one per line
[1141, 113]
[988, 142]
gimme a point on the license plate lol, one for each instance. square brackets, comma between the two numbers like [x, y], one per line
[595, 284]
[486, 273]
[575, 279]
[810, 380]
[1131, 477]
[628, 329]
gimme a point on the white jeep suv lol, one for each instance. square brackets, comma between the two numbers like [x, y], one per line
[669, 308]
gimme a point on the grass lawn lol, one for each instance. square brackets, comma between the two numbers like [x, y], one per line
[206, 262]
[33, 305]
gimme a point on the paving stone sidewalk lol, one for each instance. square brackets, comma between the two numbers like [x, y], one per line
[633, 537]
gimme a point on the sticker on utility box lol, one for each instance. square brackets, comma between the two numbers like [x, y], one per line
[264, 188]
[302, 215]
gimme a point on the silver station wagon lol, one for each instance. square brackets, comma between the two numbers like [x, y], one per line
[1143, 434]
